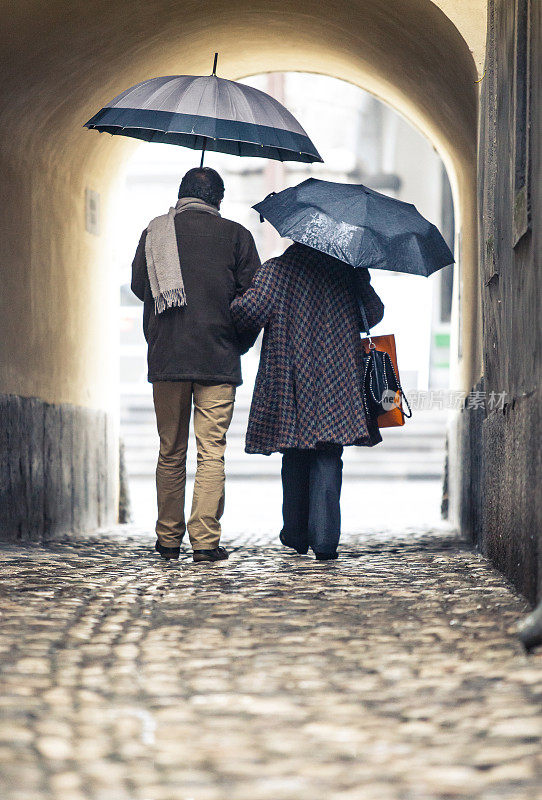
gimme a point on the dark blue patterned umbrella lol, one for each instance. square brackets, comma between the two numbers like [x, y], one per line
[207, 113]
[357, 225]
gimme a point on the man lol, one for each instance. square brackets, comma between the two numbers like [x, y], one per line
[188, 267]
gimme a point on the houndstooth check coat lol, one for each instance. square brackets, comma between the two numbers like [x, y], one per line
[308, 387]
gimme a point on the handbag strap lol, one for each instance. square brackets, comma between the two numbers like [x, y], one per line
[403, 395]
[363, 316]
[365, 321]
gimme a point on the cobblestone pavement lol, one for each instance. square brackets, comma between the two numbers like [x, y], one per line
[393, 673]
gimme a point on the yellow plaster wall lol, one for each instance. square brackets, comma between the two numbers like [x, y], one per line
[62, 61]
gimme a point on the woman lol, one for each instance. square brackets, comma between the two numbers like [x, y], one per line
[307, 401]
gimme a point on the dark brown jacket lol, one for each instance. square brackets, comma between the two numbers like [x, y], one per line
[198, 342]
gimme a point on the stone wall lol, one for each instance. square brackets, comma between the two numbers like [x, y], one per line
[507, 442]
[471, 474]
[58, 473]
[511, 530]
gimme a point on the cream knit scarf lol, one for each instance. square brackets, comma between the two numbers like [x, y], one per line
[162, 255]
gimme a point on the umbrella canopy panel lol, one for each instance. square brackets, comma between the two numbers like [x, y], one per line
[207, 113]
[358, 226]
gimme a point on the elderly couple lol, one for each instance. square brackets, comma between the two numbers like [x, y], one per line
[206, 297]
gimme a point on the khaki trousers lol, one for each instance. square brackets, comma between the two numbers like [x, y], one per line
[213, 409]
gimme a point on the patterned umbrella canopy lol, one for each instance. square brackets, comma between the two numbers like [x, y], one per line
[357, 225]
[207, 113]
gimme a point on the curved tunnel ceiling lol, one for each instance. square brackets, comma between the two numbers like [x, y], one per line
[63, 61]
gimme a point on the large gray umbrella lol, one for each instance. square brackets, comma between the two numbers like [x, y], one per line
[207, 113]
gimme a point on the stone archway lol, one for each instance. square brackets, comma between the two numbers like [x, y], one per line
[63, 61]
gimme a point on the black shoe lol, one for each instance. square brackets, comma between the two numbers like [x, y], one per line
[326, 556]
[287, 544]
[167, 552]
[217, 554]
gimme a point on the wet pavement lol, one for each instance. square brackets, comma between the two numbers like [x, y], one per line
[392, 673]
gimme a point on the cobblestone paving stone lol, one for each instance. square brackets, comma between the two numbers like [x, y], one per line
[390, 674]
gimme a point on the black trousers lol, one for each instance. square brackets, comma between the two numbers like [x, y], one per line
[311, 485]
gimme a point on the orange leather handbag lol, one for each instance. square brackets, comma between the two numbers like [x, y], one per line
[382, 390]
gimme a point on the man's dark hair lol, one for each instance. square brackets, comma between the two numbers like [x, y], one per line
[204, 183]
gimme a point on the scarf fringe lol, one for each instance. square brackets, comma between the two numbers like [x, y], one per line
[170, 298]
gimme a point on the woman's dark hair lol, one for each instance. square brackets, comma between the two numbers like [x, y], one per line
[204, 183]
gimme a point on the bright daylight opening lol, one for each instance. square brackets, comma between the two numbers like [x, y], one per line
[362, 140]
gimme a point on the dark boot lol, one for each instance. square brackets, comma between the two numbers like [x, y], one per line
[326, 556]
[286, 543]
[217, 554]
[167, 552]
